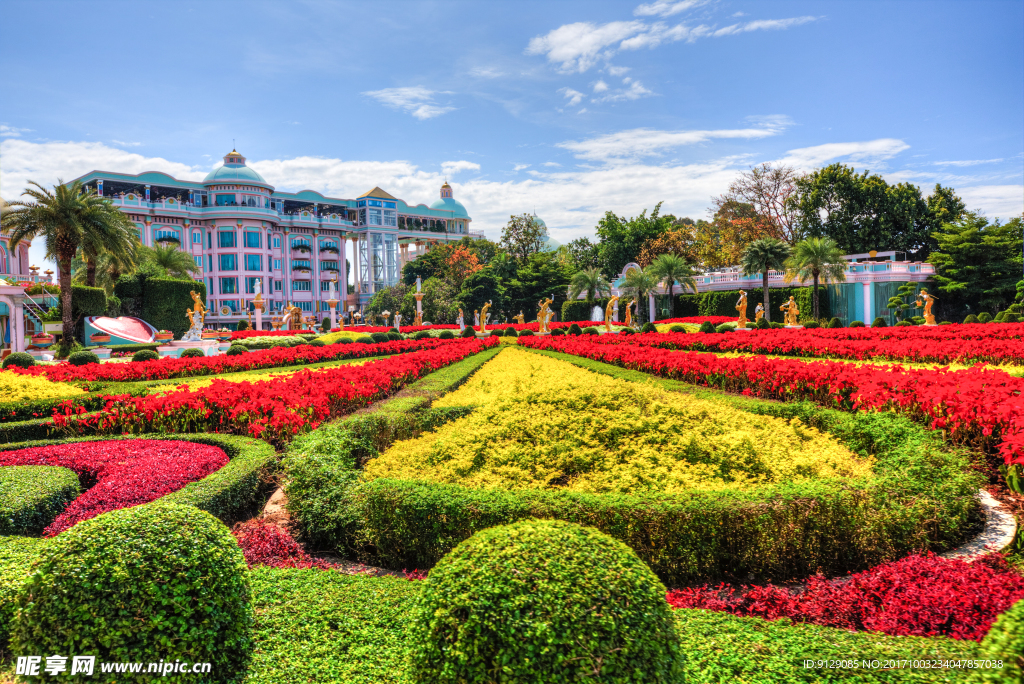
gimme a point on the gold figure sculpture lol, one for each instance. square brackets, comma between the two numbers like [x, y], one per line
[629, 313]
[608, 313]
[544, 315]
[741, 306]
[520, 319]
[294, 317]
[926, 300]
[791, 312]
[418, 320]
[197, 308]
[483, 316]
[759, 313]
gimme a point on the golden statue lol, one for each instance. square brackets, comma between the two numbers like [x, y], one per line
[926, 300]
[629, 313]
[608, 313]
[418, 320]
[791, 312]
[294, 317]
[544, 315]
[520, 319]
[483, 316]
[741, 306]
[759, 313]
[197, 308]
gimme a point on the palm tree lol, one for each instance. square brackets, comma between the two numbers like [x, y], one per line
[109, 269]
[64, 218]
[590, 281]
[639, 284]
[121, 241]
[673, 269]
[818, 259]
[761, 256]
[170, 260]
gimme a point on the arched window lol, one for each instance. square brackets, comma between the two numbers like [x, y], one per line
[3, 261]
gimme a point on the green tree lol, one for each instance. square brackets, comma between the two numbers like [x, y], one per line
[899, 303]
[673, 269]
[819, 259]
[584, 254]
[944, 206]
[432, 264]
[640, 283]
[64, 218]
[169, 262]
[590, 281]
[762, 256]
[118, 239]
[543, 275]
[440, 303]
[523, 236]
[480, 288]
[108, 269]
[393, 299]
[978, 263]
[621, 239]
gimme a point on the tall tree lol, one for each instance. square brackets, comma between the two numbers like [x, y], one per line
[543, 275]
[673, 269]
[119, 239]
[621, 239]
[979, 263]
[762, 256]
[523, 236]
[584, 254]
[63, 218]
[170, 261]
[432, 264]
[461, 263]
[819, 259]
[590, 281]
[640, 283]
[769, 189]
[109, 268]
[480, 288]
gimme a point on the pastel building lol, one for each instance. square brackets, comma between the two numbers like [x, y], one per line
[240, 231]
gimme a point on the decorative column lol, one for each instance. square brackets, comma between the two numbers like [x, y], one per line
[333, 303]
[147, 193]
[344, 275]
[650, 303]
[868, 304]
[419, 302]
[315, 250]
[18, 312]
[286, 265]
[357, 277]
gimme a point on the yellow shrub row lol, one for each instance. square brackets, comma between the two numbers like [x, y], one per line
[547, 423]
[15, 387]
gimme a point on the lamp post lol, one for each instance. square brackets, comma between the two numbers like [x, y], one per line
[333, 303]
[419, 302]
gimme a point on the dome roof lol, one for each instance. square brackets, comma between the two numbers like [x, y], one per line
[234, 170]
[540, 222]
[451, 204]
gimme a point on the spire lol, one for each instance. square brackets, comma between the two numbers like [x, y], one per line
[446, 190]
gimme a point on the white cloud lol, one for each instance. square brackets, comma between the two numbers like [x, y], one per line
[997, 201]
[520, 167]
[600, 87]
[618, 70]
[415, 100]
[867, 152]
[763, 25]
[967, 162]
[578, 46]
[452, 167]
[739, 14]
[659, 33]
[551, 164]
[485, 72]
[646, 142]
[12, 132]
[665, 8]
[574, 96]
[125, 144]
[635, 91]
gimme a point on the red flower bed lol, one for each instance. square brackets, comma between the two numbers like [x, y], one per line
[274, 409]
[990, 342]
[267, 544]
[166, 369]
[916, 596]
[120, 473]
[978, 405]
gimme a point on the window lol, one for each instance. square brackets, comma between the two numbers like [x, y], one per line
[226, 238]
[228, 262]
[250, 285]
[197, 237]
[231, 304]
[225, 200]
[328, 265]
[375, 217]
[209, 240]
[199, 262]
[253, 240]
[210, 291]
[362, 217]
[390, 217]
[301, 263]
[209, 261]
[229, 285]
[301, 286]
[305, 306]
[253, 262]
[277, 264]
[325, 285]
[277, 242]
[277, 286]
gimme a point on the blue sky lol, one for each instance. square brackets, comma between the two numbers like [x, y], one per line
[566, 108]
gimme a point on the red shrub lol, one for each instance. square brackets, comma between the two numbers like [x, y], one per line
[917, 596]
[267, 544]
[120, 473]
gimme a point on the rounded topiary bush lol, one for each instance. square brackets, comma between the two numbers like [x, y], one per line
[236, 349]
[707, 327]
[971, 318]
[543, 601]
[677, 329]
[511, 332]
[879, 323]
[152, 582]
[192, 353]
[590, 330]
[392, 330]
[903, 324]
[856, 324]
[242, 325]
[83, 358]
[19, 359]
[775, 325]
[393, 336]
[527, 333]
[365, 339]
[835, 323]
[1005, 642]
[649, 328]
[763, 324]
[325, 325]
[497, 332]
[150, 355]
[811, 325]
[317, 343]
[574, 329]
[624, 331]
[446, 335]
[343, 340]
[556, 332]
[984, 317]
[723, 328]
[468, 332]
[380, 337]
[421, 335]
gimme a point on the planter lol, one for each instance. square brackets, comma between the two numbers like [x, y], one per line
[99, 338]
[210, 335]
[224, 336]
[42, 340]
[163, 337]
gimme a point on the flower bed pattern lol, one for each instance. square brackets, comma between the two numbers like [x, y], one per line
[917, 596]
[979, 406]
[120, 473]
[19, 387]
[266, 544]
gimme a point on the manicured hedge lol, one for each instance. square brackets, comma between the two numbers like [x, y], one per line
[32, 496]
[17, 554]
[580, 310]
[21, 431]
[723, 303]
[86, 301]
[161, 302]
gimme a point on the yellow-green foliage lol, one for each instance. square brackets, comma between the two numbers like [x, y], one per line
[16, 387]
[351, 333]
[547, 423]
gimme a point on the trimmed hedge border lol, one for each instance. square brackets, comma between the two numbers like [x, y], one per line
[32, 496]
[921, 496]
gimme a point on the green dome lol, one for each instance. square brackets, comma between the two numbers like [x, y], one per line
[234, 172]
[452, 205]
[540, 222]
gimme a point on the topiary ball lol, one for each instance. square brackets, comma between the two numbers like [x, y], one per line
[775, 325]
[19, 359]
[497, 332]
[542, 601]
[421, 335]
[649, 328]
[83, 358]
[574, 329]
[365, 340]
[879, 323]
[556, 332]
[446, 335]
[191, 353]
[343, 340]
[394, 337]
[150, 355]
[856, 324]
[236, 349]
[317, 343]
[511, 332]
[242, 325]
[393, 330]
[723, 328]
[835, 323]
[811, 325]
[468, 332]
[1005, 642]
[763, 324]
[677, 329]
[528, 333]
[984, 317]
[325, 325]
[903, 324]
[971, 318]
[153, 582]
[380, 337]
[591, 330]
[707, 327]
[624, 331]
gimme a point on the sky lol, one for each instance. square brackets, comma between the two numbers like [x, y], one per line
[566, 109]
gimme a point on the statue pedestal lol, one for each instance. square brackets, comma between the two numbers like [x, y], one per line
[259, 318]
[101, 352]
[745, 329]
[794, 327]
[174, 349]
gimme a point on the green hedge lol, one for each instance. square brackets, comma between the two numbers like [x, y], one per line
[32, 496]
[86, 301]
[22, 431]
[161, 302]
[724, 303]
[580, 310]
[17, 554]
